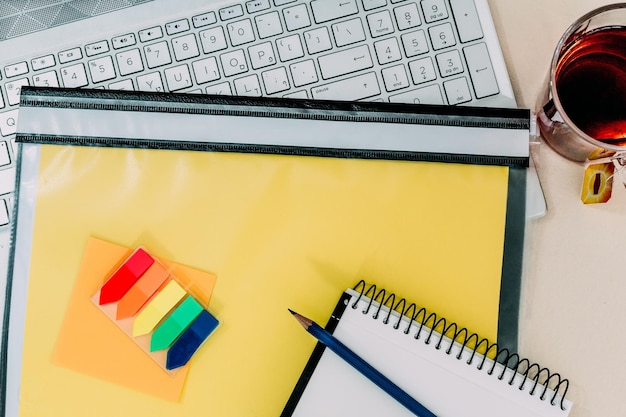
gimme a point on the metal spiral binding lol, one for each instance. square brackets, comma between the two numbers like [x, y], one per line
[531, 372]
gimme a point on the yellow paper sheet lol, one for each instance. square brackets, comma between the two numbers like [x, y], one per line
[280, 232]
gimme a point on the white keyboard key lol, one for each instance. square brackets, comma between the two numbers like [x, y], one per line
[449, 63]
[1, 100]
[425, 95]
[422, 70]
[296, 17]
[150, 82]
[345, 61]
[96, 48]
[289, 48]
[480, 70]
[222, 89]
[303, 73]
[14, 70]
[234, 62]
[355, 88]
[350, 31]
[150, 34]
[297, 94]
[204, 19]
[157, 54]
[457, 91]
[13, 89]
[101, 69]
[373, 4]
[262, 55]
[442, 36]
[248, 86]
[70, 55]
[213, 40]
[415, 43]
[7, 180]
[275, 80]
[8, 122]
[434, 10]
[129, 62]
[467, 21]
[178, 77]
[268, 25]
[387, 51]
[74, 76]
[177, 26]
[325, 10]
[185, 47]
[43, 62]
[4, 154]
[4, 213]
[240, 32]
[231, 12]
[283, 2]
[395, 78]
[126, 85]
[46, 79]
[254, 6]
[206, 70]
[380, 24]
[124, 41]
[407, 16]
[317, 40]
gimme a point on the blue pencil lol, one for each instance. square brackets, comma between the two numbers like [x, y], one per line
[365, 368]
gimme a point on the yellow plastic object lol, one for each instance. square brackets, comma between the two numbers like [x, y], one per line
[158, 308]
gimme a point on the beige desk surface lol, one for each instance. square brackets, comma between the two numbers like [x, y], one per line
[574, 292]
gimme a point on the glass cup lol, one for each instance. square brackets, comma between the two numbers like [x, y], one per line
[582, 114]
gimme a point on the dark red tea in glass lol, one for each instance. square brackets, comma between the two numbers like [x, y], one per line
[584, 107]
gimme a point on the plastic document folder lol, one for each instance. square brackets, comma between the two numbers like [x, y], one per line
[277, 204]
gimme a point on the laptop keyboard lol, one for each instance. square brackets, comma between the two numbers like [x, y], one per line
[428, 51]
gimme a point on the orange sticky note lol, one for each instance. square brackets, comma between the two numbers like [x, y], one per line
[141, 292]
[91, 344]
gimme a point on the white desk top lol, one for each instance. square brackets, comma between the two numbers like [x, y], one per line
[573, 303]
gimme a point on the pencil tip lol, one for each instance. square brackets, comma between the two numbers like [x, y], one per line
[291, 311]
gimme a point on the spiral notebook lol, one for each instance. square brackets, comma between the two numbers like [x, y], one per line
[449, 378]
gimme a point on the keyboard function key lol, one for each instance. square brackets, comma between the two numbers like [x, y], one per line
[204, 19]
[326, 10]
[467, 21]
[254, 6]
[43, 62]
[150, 34]
[96, 48]
[74, 76]
[442, 36]
[407, 16]
[434, 10]
[355, 88]
[296, 17]
[279, 3]
[268, 25]
[46, 79]
[8, 122]
[178, 26]
[480, 70]
[457, 91]
[124, 41]
[13, 89]
[14, 70]
[345, 62]
[70, 55]
[231, 12]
